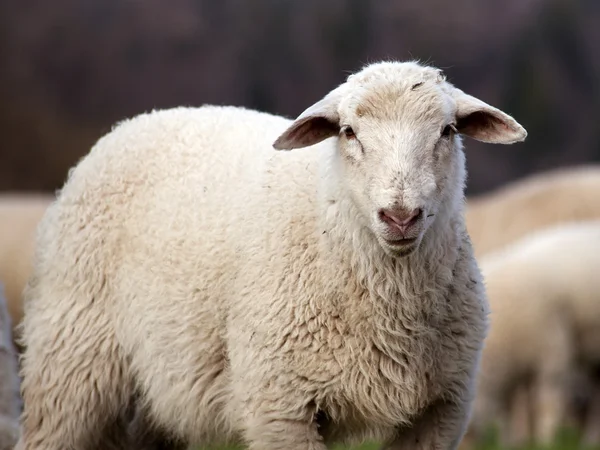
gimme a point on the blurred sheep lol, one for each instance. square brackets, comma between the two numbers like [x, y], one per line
[508, 213]
[544, 294]
[19, 216]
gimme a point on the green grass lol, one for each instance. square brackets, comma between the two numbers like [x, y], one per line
[566, 440]
[362, 447]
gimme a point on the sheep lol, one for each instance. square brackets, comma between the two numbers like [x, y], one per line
[19, 217]
[281, 299]
[504, 215]
[544, 297]
[542, 200]
[10, 403]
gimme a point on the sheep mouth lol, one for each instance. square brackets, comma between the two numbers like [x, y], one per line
[400, 247]
[402, 242]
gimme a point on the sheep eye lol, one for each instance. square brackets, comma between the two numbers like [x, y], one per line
[448, 129]
[348, 132]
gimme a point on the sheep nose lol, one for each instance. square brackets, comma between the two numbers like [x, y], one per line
[401, 218]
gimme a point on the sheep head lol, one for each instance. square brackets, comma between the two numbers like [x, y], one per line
[398, 128]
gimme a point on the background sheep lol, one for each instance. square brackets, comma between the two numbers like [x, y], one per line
[544, 294]
[278, 298]
[10, 403]
[508, 213]
[19, 217]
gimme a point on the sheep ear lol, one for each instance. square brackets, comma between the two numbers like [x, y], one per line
[317, 123]
[485, 123]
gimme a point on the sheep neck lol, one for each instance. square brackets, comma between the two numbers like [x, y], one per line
[410, 286]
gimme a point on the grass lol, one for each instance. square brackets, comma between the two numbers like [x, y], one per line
[566, 440]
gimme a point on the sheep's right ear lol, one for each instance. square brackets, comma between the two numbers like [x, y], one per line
[315, 124]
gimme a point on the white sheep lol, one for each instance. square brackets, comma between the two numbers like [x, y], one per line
[544, 199]
[10, 402]
[508, 213]
[282, 299]
[544, 294]
[20, 214]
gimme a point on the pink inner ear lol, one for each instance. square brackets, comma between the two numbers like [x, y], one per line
[482, 123]
[314, 130]
[306, 132]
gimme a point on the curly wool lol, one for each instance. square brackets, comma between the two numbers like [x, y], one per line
[243, 295]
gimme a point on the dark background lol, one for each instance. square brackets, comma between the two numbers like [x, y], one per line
[69, 69]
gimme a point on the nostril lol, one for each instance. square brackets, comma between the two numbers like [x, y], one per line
[383, 216]
[416, 215]
[400, 217]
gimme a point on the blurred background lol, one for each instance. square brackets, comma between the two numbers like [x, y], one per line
[71, 68]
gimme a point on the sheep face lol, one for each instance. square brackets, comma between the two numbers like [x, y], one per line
[397, 127]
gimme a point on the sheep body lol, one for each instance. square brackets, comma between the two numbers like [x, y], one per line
[9, 381]
[244, 294]
[506, 214]
[543, 291]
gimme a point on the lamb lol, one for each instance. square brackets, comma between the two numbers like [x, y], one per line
[544, 295]
[542, 200]
[19, 217]
[283, 299]
[10, 403]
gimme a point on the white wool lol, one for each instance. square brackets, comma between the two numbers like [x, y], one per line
[243, 293]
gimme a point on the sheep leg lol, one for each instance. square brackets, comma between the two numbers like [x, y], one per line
[278, 419]
[277, 433]
[292, 435]
[74, 379]
[591, 426]
[519, 426]
[490, 409]
[275, 412]
[441, 427]
[144, 435]
[551, 401]
[552, 387]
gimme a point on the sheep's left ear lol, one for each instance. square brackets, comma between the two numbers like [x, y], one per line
[317, 123]
[485, 123]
